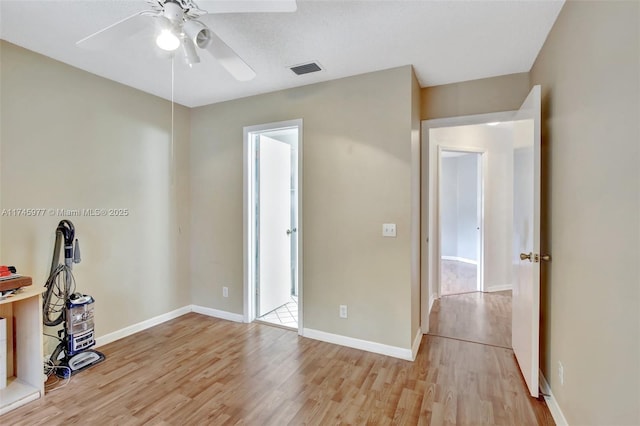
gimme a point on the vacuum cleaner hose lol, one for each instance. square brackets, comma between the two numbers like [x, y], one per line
[61, 282]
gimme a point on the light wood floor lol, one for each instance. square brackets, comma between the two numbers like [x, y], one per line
[476, 317]
[197, 370]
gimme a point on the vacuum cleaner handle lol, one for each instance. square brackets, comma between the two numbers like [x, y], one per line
[68, 231]
[65, 231]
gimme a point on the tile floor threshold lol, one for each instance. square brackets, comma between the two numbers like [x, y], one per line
[284, 316]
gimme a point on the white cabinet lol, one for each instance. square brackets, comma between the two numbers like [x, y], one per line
[24, 368]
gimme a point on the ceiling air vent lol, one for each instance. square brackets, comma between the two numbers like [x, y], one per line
[306, 68]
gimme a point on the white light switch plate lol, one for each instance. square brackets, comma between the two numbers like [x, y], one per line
[388, 229]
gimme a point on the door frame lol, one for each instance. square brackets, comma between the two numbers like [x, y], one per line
[249, 269]
[480, 181]
[429, 281]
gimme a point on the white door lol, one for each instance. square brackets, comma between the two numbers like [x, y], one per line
[274, 224]
[526, 239]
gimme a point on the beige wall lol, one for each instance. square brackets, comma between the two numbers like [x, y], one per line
[72, 140]
[415, 206]
[360, 170]
[496, 94]
[590, 76]
[357, 169]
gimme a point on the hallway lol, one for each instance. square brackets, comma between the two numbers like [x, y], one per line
[481, 367]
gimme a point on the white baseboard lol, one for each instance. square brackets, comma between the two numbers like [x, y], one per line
[460, 259]
[365, 345]
[229, 316]
[495, 288]
[132, 329]
[416, 344]
[554, 408]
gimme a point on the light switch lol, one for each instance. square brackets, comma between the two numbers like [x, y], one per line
[388, 229]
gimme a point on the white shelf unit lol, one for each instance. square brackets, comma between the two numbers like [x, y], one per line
[25, 381]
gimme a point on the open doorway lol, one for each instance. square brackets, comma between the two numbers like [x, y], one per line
[470, 178]
[507, 312]
[461, 221]
[272, 225]
[479, 309]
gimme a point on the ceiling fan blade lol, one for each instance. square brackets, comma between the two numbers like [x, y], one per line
[247, 6]
[116, 32]
[229, 59]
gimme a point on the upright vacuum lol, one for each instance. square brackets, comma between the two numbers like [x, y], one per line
[75, 311]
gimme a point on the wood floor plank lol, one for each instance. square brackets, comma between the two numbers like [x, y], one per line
[476, 317]
[198, 370]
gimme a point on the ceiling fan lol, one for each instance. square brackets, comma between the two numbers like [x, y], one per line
[177, 24]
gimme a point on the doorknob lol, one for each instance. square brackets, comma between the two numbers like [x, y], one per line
[524, 256]
[545, 257]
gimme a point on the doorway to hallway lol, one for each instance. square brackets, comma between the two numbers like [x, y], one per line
[272, 225]
[512, 217]
[461, 221]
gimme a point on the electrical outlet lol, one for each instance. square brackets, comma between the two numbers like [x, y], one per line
[225, 291]
[388, 229]
[343, 311]
[561, 373]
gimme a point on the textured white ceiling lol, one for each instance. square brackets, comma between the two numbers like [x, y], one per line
[446, 42]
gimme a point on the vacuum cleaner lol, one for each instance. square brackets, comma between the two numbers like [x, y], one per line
[75, 311]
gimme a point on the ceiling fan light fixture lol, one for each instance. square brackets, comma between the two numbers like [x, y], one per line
[167, 35]
[167, 40]
[173, 11]
[190, 55]
[198, 33]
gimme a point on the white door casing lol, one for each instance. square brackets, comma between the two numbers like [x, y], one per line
[275, 225]
[526, 239]
[251, 134]
[430, 221]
